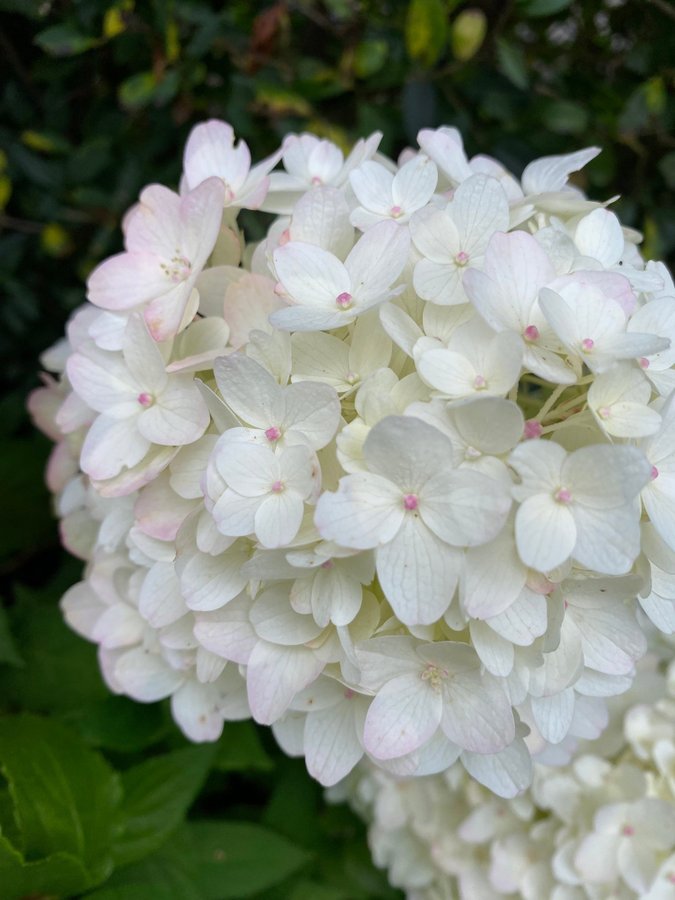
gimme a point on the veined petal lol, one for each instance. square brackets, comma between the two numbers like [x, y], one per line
[545, 532]
[278, 518]
[249, 390]
[376, 261]
[406, 451]
[179, 416]
[439, 282]
[367, 510]
[127, 280]
[311, 276]
[372, 184]
[464, 508]
[479, 208]
[275, 675]
[331, 742]
[603, 476]
[402, 717]
[110, 446]
[607, 540]
[418, 572]
[477, 715]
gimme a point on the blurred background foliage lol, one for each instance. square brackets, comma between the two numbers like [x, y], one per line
[97, 99]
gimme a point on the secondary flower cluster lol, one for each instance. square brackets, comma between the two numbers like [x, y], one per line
[602, 827]
[394, 479]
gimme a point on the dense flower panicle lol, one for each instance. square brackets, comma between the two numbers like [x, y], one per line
[397, 480]
[601, 827]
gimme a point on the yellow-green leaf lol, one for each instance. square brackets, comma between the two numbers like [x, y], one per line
[426, 31]
[468, 33]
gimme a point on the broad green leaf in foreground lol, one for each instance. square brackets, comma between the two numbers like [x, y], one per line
[59, 874]
[157, 794]
[208, 860]
[65, 795]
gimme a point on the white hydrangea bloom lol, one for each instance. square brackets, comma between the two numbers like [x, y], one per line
[395, 480]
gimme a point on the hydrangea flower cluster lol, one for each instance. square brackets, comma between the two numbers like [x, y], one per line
[602, 827]
[395, 479]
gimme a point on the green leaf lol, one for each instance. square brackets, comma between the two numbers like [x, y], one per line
[468, 33]
[369, 57]
[209, 861]
[426, 31]
[59, 873]
[540, 8]
[120, 724]
[138, 90]
[49, 646]
[565, 117]
[64, 40]
[157, 795]
[65, 795]
[240, 749]
[512, 63]
[9, 655]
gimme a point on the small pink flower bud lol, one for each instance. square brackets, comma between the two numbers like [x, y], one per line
[531, 333]
[344, 300]
[272, 433]
[587, 344]
[562, 495]
[411, 501]
[532, 429]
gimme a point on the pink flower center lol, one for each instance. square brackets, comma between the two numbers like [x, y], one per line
[644, 362]
[587, 345]
[628, 831]
[316, 181]
[411, 501]
[349, 693]
[654, 473]
[462, 258]
[562, 495]
[284, 237]
[532, 429]
[272, 433]
[344, 300]
[531, 333]
[351, 377]
[145, 399]
[604, 412]
[479, 383]
[328, 564]
[278, 487]
[395, 211]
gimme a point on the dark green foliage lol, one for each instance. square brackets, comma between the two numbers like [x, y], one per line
[99, 796]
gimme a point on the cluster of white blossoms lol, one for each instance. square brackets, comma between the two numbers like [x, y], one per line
[601, 827]
[397, 479]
